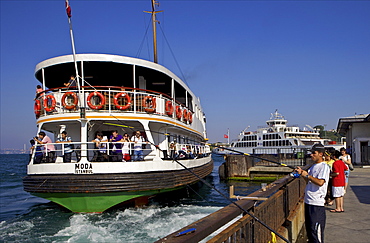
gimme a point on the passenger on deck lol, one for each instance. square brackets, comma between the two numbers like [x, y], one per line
[71, 81]
[189, 152]
[49, 149]
[115, 147]
[181, 154]
[67, 155]
[39, 91]
[138, 146]
[126, 148]
[100, 152]
[38, 152]
[172, 149]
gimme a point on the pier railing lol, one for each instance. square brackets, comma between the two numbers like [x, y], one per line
[284, 196]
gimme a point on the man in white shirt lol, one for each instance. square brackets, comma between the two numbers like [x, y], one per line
[317, 178]
[100, 151]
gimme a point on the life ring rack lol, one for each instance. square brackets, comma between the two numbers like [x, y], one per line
[178, 112]
[185, 115]
[37, 108]
[74, 103]
[190, 117]
[46, 103]
[124, 95]
[169, 108]
[101, 97]
[145, 102]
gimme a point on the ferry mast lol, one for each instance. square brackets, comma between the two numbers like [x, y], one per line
[154, 21]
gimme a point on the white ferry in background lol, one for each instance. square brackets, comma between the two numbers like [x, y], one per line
[116, 93]
[276, 138]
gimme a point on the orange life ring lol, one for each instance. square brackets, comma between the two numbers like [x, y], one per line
[146, 101]
[53, 103]
[178, 112]
[190, 118]
[101, 97]
[37, 108]
[74, 103]
[185, 114]
[126, 96]
[169, 108]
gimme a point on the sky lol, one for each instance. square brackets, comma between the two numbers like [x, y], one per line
[244, 59]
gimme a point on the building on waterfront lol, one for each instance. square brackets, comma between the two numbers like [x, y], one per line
[357, 131]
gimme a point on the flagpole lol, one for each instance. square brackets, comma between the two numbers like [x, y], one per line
[228, 136]
[74, 52]
[82, 119]
[68, 9]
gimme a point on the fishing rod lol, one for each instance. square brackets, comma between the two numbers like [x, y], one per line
[205, 143]
[237, 205]
[254, 156]
[214, 188]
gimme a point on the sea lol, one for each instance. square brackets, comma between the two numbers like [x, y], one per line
[26, 218]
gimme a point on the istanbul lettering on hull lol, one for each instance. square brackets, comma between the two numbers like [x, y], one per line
[83, 168]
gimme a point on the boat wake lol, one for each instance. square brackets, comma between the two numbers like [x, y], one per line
[131, 225]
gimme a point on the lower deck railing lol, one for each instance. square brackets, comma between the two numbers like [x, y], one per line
[180, 151]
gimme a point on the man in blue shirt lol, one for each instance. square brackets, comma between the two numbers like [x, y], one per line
[115, 146]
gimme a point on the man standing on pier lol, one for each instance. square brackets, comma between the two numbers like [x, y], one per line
[317, 178]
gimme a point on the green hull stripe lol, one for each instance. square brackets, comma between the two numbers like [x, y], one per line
[95, 202]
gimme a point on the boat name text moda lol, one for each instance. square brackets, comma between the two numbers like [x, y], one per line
[83, 168]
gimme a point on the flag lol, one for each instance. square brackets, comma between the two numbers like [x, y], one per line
[68, 9]
[225, 136]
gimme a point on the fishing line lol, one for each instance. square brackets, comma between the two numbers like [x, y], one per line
[223, 195]
[200, 196]
[217, 146]
[227, 198]
[257, 157]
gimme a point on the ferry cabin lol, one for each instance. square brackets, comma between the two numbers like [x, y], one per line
[118, 93]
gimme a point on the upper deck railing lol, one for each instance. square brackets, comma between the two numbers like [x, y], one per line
[111, 100]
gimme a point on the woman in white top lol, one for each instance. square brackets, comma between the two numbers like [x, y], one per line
[346, 158]
[126, 148]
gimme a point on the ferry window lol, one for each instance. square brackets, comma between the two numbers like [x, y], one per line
[180, 93]
[154, 80]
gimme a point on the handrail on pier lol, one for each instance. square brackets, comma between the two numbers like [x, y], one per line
[283, 196]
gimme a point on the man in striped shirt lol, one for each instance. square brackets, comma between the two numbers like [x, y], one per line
[67, 155]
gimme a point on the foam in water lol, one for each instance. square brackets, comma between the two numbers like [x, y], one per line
[132, 225]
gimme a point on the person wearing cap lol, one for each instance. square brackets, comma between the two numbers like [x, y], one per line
[317, 178]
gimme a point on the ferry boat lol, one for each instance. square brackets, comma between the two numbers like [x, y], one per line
[276, 138]
[126, 94]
